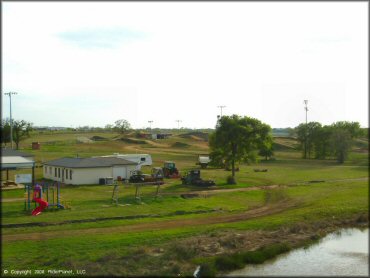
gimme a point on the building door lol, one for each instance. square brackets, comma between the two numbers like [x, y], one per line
[119, 171]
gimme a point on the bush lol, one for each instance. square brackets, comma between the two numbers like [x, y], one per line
[206, 270]
[253, 257]
[225, 263]
[182, 252]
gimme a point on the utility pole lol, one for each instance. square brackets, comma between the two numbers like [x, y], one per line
[178, 123]
[11, 120]
[305, 139]
[221, 106]
[150, 123]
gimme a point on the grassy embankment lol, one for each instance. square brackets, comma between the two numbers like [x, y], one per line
[170, 234]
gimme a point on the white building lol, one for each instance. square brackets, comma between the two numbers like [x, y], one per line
[87, 170]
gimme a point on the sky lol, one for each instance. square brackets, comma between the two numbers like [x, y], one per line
[74, 64]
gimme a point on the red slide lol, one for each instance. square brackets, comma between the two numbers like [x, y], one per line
[42, 205]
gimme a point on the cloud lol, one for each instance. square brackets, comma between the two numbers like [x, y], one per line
[101, 38]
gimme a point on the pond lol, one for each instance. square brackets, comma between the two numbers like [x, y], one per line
[343, 253]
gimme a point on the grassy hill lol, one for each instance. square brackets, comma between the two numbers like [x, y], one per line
[185, 226]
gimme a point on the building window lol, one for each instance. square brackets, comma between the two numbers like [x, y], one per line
[58, 172]
[70, 174]
[55, 172]
[67, 174]
[50, 171]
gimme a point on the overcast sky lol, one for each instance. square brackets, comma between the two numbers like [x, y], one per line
[92, 63]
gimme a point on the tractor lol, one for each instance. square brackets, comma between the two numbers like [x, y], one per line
[170, 170]
[193, 178]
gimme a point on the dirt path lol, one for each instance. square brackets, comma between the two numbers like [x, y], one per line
[9, 200]
[209, 192]
[158, 225]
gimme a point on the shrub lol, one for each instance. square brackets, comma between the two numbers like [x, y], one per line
[181, 252]
[253, 257]
[229, 262]
[206, 270]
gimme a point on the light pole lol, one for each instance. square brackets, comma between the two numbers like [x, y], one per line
[221, 106]
[305, 107]
[11, 120]
[305, 139]
[178, 123]
[150, 123]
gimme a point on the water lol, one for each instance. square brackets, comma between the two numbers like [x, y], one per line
[344, 253]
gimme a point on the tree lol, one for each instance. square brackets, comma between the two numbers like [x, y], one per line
[322, 142]
[21, 130]
[121, 126]
[266, 149]
[237, 138]
[307, 134]
[341, 143]
[342, 137]
[5, 131]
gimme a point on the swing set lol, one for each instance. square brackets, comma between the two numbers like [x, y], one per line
[115, 194]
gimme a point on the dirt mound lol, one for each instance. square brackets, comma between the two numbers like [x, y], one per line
[180, 145]
[132, 141]
[82, 139]
[98, 138]
[195, 135]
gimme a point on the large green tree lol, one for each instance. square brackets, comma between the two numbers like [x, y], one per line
[237, 138]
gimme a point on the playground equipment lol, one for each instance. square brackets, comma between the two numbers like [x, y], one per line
[47, 195]
[170, 170]
[37, 194]
[138, 185]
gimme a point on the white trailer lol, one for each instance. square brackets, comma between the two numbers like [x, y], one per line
[140, 159]
[203, 160]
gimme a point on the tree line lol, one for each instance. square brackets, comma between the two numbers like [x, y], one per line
[322, 142]
[241, 139]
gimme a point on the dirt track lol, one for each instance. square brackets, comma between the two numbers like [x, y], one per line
[158, 225]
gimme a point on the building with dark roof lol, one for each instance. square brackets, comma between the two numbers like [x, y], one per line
[11, 152]
[87, 170]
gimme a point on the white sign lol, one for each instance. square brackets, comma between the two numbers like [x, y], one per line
[23, 178]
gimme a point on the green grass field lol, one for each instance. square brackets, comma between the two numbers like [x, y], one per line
[151, 236]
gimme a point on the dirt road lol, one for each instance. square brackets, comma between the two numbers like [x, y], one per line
[158, 225]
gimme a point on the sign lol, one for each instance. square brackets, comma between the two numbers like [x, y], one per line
[23, 178]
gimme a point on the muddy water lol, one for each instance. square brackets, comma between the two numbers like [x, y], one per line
[344, 253]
